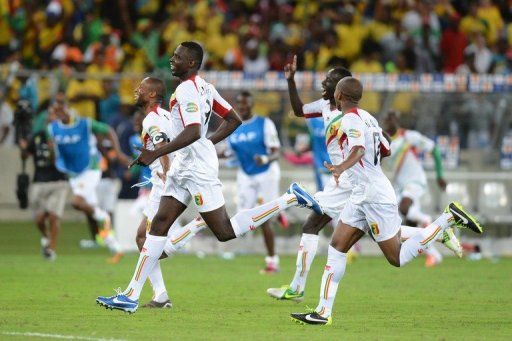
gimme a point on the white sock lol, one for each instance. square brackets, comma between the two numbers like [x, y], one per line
[272, 261]
[99, 214]
[179, 236]
[151, 252]
[415, 214]
[333, 273]
[419, 242]
[434, 252]
[407, 232]
[157, 282]
[307, 251]
[112, 243]
[248, 220]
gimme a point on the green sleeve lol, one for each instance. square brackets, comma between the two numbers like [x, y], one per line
[99, 127]
[438, 162]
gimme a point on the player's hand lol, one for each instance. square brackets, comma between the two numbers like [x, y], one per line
[145, 158]
[289, 69]
[335, 170]
[261, 159]
[442, 184]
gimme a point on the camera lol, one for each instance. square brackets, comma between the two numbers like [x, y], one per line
[23, 120]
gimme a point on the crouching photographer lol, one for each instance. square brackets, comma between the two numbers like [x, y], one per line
[49, 188]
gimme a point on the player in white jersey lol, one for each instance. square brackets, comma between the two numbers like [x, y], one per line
[334, 196]
[194, 173]
[372, 204]
[409, 178]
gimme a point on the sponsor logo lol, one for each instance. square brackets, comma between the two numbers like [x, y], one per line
[420, 251]
[328, 268]
[354, 133]
[198, 199]
[464, 220]
[252, 227]
[312, 319]
[191, 107]
[143, 249]
[375, 229]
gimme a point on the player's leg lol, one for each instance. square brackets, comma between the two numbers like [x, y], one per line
[226, 229]
[305, 255]
[54, 205]
[399, 254]
[160, 297]
[168, 212]
[40, 219]
[343, 239]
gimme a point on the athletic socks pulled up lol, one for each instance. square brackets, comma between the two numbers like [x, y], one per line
[333, 273]
[307, 251]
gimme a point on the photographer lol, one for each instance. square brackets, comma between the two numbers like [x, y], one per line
[49, 189]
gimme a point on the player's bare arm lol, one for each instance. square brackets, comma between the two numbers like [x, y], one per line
[231, 121]
[164, 161]
[289, 73]
[356, 154]
[189, 135]
[266, 159]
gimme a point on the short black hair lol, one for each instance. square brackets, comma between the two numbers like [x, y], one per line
[196, 52]
[342, 72]
[245, 93]
[158, 86]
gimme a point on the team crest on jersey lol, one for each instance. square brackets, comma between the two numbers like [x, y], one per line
[332, 129]
[191, 107]
[198, 199]
[375, 229]
[354, 133]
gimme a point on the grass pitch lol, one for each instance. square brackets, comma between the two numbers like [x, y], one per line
[218, 299]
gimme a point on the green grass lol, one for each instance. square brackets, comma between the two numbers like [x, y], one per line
[217, 299]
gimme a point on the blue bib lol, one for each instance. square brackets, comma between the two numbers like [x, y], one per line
[247, 141]
[318, 147]
[74, 145]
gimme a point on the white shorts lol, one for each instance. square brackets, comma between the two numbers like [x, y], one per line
[85, 184]
[381, 221]
[107, 191]
[153, 200]
[207, 195]
[326, 178]
[334, 197]
[257, 189]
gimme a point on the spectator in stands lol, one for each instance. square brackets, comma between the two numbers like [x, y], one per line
[423, 25]
[109, 105]
[453, 43]
[255, 63]
[483, 56]
[83, 92]
[472, 23]
[488, 12]
[502, 58]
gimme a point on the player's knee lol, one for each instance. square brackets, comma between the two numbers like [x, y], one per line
[223, 237]
[158, 226]
[40, 219]
[395, 261]
[140, 240]
[404, 207]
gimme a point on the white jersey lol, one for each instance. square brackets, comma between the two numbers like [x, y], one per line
[332, 122]
[156, 128]
[192, 103]
[404, 162]
[369, 183]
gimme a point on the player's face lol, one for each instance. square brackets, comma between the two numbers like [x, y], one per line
[179, 61]
[141, 94]
[329, 85]
[60, 111]
[390, 123]
[244, 106]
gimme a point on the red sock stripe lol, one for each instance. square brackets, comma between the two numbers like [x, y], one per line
[137, 276]
[180, 238]
[327, 284]
[304, 259]
[432, 236]
[265, 214]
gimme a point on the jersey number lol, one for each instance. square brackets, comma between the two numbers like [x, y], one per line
[376, 146]
[209, 113]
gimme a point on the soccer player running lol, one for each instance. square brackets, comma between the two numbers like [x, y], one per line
[76, 154]
[194, 173]
[409, 179]
[256, 146]
[372, 206]
[335, 195]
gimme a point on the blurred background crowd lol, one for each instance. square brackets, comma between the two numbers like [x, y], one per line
[96, 51]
